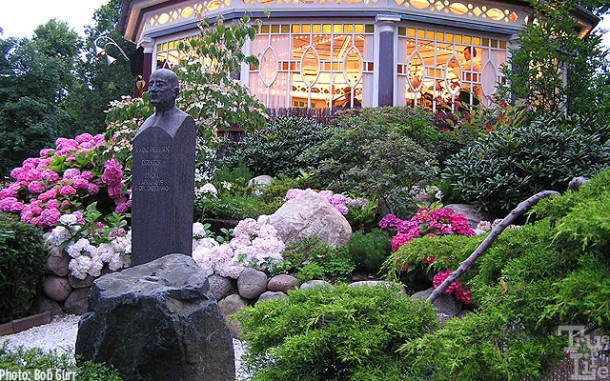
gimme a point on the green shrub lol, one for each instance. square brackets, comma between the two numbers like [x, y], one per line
[549, 273]
[332, 334]
[505, 167]
[58, 367]
[21, 266]
[369, 250]
[311, 259]
[276, 149]
[367, 156]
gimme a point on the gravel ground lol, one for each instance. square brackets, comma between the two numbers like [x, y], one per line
[60, 336]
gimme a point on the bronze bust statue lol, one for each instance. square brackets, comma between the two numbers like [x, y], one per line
[163, 88]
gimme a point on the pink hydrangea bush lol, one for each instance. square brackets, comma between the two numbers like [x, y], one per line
[61, 180]
[338, 201]
[430, 223]
[59, 191]
[254, 244]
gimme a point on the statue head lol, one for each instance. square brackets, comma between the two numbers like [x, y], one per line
[163, 88]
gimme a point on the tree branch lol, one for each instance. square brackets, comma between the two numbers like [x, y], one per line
[512, 216]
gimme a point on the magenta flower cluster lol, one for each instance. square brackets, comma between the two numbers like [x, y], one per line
[426, 222]
[455, 287]
[52, 185]
[433, 223]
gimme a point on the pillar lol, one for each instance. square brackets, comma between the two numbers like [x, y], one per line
[386, 30]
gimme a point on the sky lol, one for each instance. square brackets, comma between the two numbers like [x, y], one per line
[19, 18]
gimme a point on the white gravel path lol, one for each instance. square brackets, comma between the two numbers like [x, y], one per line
[60, 336]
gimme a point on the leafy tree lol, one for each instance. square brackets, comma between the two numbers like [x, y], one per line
[550, 49]
[32, 91]
[98, 83]
[210, 92]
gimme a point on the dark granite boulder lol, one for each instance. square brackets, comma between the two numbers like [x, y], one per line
[157, 321]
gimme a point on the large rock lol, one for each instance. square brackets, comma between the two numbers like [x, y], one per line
[310, 215]
[157, 321]
[474, 215]
[251, 283]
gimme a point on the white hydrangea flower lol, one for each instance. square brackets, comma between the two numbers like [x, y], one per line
[58, 235]
[198, 230]
[68, 219]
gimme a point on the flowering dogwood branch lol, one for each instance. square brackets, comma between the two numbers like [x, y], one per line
[512, 216]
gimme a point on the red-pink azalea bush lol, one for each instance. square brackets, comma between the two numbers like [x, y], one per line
[430, 223]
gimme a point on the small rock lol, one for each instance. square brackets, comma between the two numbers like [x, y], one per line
[577, 182]
[229, 306]
[220, 286]
[44, 304]
[77, 301]
[271, 295]
[464, 313]
[232, 304]
[315, 283]
[57, 262]
[251, 283]
[282, 282]
[81, 283]
[445, 304]
[56, 288]
[259, 182]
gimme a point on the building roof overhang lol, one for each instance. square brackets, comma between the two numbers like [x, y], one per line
[133, 16]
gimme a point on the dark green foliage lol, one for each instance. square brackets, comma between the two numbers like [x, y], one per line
[233, 207]
[52, 366]
[363, 218]
[408, 262]
[311, 259]
[99, 83]
[332, 334]
[235, 199]
[369, 153]
[277, 148]
[369, 250]
[21, 266]
[507, 166]
[533, 279]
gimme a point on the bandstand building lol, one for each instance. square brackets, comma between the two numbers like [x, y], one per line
[349, 53]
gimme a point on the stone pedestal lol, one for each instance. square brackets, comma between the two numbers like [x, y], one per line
[157, 321]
